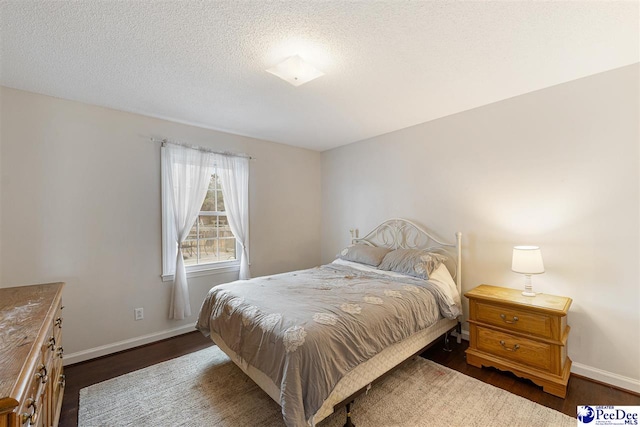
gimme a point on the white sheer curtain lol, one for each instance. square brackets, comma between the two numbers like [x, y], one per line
[234, 177]
[187, 174]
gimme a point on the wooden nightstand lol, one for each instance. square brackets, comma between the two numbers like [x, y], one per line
[524, 335]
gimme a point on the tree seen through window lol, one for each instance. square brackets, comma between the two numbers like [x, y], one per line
[210, 239]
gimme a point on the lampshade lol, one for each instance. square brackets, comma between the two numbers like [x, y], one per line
[295, 71]
[527, 260]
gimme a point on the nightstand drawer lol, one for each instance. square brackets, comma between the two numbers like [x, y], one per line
[521, 350]
[514, 319]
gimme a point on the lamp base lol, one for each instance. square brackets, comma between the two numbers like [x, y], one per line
[528, 289]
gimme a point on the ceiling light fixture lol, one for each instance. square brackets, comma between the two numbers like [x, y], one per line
[295, 70]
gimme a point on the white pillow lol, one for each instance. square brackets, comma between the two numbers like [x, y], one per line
[441, 277]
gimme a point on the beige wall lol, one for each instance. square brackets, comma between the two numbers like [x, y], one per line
[557, 168]
[80, 191]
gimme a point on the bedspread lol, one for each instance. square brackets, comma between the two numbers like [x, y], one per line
[306, 329]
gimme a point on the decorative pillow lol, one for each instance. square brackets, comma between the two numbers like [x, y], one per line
[445, 282]
[364, 254]
[412, 262]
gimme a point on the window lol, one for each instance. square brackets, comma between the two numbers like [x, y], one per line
[210, 239]
[210, 246]
[204, 196]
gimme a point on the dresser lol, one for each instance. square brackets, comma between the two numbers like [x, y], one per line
[31, 376]
[524, 335]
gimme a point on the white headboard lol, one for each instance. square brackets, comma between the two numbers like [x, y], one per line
[398, 233]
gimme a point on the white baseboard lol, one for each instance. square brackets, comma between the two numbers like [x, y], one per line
[596, 374]
[92, 353]
[464, 335]
[606, 377]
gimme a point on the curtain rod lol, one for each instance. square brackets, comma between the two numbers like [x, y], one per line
[196, 147]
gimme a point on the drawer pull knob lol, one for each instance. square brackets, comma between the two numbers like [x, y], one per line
[515, 346]
[60, 352]
[62, 381]
[58, 322]
[52, 343]
[32, 417]
[42, 374]
[511, 322]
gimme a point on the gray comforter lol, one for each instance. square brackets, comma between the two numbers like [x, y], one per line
[306, 329]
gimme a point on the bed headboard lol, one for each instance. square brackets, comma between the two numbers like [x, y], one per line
[398, 233]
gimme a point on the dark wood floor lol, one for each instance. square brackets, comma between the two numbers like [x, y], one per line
[581, 391]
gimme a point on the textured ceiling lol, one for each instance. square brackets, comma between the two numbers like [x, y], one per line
[388, 64]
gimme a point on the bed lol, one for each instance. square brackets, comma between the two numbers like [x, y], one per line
[314, 339]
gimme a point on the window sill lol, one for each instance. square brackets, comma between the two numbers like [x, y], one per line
[207, 270]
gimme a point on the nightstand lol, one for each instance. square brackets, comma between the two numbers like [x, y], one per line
[524, 335]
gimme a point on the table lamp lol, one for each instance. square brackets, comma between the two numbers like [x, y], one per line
[527, 260]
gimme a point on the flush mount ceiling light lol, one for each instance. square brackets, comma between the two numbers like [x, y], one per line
[295, 71]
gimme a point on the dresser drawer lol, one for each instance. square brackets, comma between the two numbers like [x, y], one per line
[514, 319]
[57, 390]
[29, 412]
[55, 352]
[57, 323]
[521, 350]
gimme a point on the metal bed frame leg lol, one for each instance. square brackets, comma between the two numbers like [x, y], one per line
[458, 329]
[349, 423]
[447, 348]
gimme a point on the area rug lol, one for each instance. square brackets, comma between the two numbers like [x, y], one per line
[206, 389]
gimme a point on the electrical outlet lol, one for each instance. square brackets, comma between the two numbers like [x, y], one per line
[138, 313]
